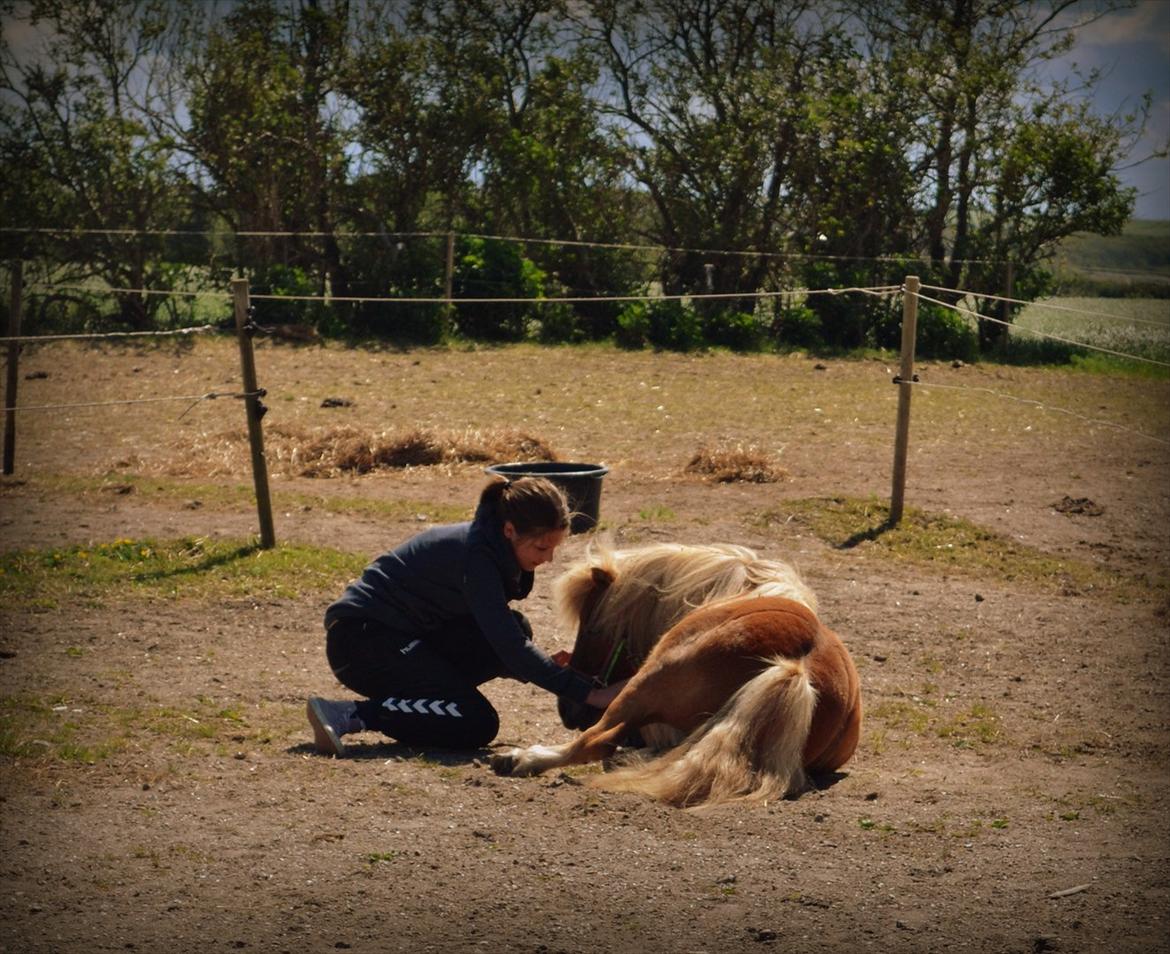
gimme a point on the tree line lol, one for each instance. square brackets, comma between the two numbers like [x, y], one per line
[743, 146]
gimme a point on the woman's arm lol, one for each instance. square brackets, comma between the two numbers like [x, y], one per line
[484, 591]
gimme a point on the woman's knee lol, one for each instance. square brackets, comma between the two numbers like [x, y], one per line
[464, 721]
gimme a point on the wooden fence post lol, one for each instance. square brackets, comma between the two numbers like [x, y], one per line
[255, 411]
[14, 307]
[449, 280]
[905, 384]
[1005, 311]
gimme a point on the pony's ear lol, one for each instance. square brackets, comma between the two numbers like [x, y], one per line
[602, 577]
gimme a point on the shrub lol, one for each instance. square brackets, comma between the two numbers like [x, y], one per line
[633, 325]
[797, 325]
[487, 268]
[658, 323]
[943, 333]
[292, 281]
[559, 323]
[738, 330]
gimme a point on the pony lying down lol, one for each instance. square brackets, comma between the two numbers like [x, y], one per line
[733, 679]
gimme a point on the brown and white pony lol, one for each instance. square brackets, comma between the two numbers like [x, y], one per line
[730, 672]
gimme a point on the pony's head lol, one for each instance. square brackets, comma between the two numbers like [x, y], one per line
[578, 593]
[621, 602]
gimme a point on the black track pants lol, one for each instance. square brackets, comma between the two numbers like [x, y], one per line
[420, 691]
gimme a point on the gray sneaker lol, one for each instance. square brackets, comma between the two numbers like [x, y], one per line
[330, 721]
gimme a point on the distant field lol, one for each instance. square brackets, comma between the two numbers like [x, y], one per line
[1141, 251]
[1136, 326]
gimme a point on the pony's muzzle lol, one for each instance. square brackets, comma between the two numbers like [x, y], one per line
[576, 715]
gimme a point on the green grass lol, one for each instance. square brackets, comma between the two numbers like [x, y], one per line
[379, 857]
[243, 496]
[977, 725]
[188, 568]
[905, 720]
[86, 732]
[949, 544]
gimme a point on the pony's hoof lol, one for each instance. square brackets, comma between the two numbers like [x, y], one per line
[504, 763]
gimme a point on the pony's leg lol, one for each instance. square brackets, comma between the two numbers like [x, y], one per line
[658, 693]
[591, 745]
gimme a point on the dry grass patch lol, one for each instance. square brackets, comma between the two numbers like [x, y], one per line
[334, 451]
[738, 464]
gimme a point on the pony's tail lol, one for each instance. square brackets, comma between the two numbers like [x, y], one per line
[752, 749]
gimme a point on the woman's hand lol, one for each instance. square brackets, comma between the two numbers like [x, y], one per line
[601, 698]
[561, 657]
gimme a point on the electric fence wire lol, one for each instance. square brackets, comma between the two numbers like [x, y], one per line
[1051, 307]
[880, 291]
[515, 239]
[192, 398]
[196, 329]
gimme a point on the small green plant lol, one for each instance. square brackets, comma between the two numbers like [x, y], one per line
[908, 715]
[657, 514]
[978, 725]
[380, 857]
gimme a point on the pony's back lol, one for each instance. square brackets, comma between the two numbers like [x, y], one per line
[651, 588]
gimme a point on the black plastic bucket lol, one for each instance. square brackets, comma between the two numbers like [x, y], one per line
[580, 482]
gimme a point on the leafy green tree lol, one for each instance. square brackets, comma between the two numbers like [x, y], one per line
[710, 100]
[550, 173]
[1007, 164]
[477, 115]
[421, 120]
[854, 177]
[266, 135]
[765, 143]
[75, 145]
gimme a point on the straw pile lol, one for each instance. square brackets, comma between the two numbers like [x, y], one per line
[345, 450]
[335, 451]
[736, 464]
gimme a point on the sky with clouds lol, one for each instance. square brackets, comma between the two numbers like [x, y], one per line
[1132, 50]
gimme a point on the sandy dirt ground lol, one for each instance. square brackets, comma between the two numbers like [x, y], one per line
[1010, 793]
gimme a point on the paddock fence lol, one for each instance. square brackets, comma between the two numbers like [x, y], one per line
[910, 291]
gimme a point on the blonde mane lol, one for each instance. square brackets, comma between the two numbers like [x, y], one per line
[655, 586]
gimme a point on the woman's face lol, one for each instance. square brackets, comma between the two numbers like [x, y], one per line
[533, 550]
